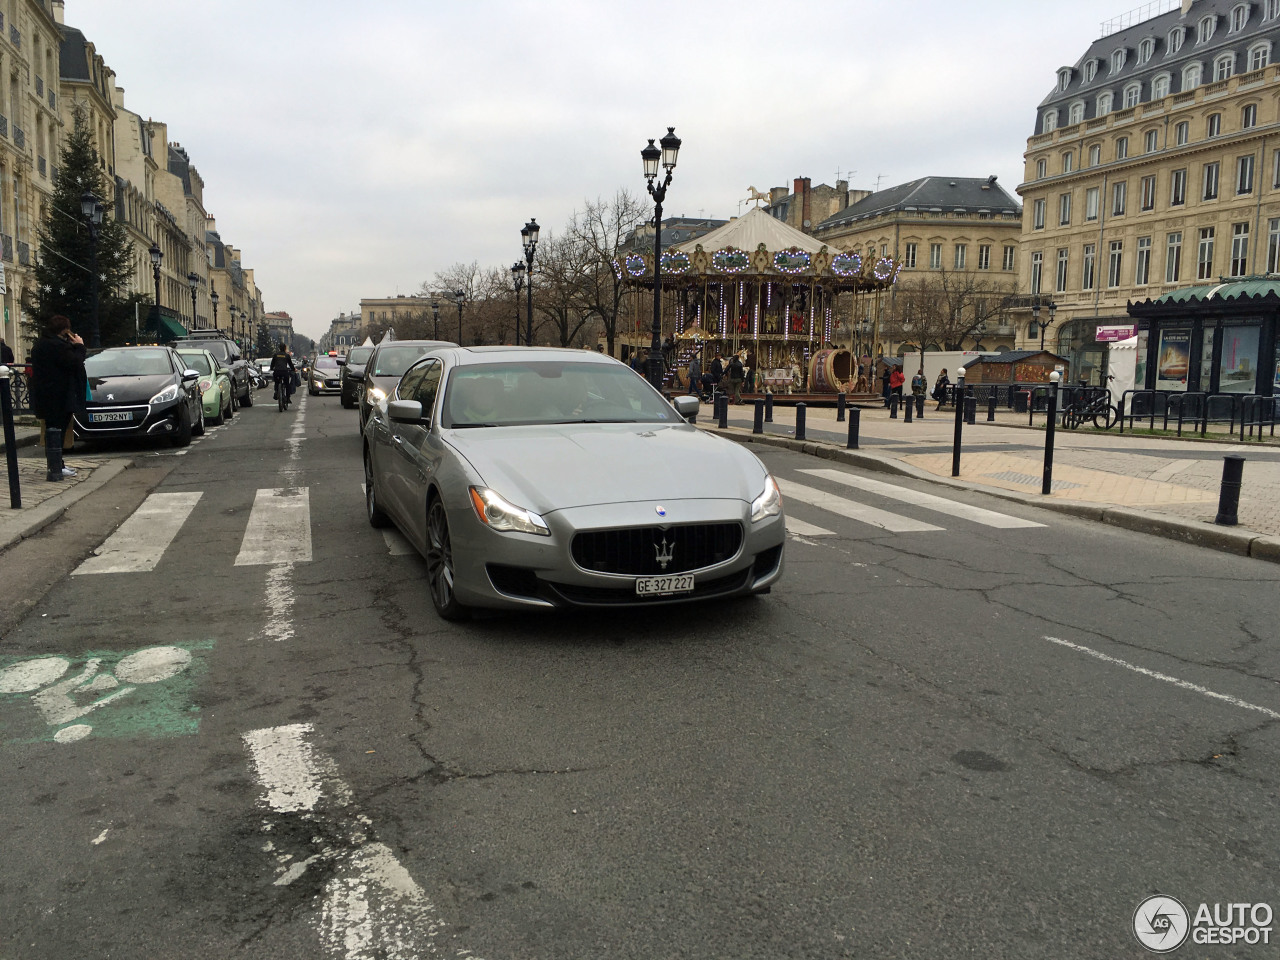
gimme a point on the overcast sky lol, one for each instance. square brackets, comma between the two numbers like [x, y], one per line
[353, 149]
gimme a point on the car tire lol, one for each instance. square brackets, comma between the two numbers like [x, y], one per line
[347, 404]
[183, 437]
[220, 419]
[440, 572]
[197, 429]
[247, 399]
[377, 518]
[230, 411]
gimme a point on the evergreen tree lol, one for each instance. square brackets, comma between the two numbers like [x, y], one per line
[63, 278]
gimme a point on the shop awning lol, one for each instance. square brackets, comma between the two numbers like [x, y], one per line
[166, 328]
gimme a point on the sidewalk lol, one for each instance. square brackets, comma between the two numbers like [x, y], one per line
[1163, 486]
[44, 502]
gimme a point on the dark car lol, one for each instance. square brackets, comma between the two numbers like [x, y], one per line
[141, 392]
[386, 365]
[355, 360]
[323, 376]
[228, 353]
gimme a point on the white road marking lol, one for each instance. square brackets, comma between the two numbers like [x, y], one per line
[988, 518]
[139, 543]
[295, 777]
[854, 511]
[279, 596]
[1184, 684]
[279, 529]
[100, 837]
[798, 528]
[397, 545]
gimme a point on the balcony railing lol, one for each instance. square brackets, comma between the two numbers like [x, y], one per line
[19, 138]
[6, 247]
[24, 254]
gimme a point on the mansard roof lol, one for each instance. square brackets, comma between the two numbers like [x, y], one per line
[939, 194]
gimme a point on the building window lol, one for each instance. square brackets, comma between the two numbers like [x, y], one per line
[1009, 253]
[1037, 222]
[1182, 134]
[1064, 210]
[1122, 148]
[1145, 49]
[909, 261]
[1178, 188]
[1224, 66]
[984, 256]
[1142, 271]
[1160, 86]
[1064, 78]
[1210, 181]
[1239, 249]
[1117, 198]
[1173, 258]
[1086, 273]
[1275, 171]
[1191, 75]
[1151, 141]
[1149, 193]
[1061, 277]
[1075, 113]
[1273, 9]
[1204, 30]
[962, 254]
[1244, 174]
[1115, 263]
[1176, 36]
[1132, 94]
[1090, 71]
[1259, 55]
[1273, 242]
[1050, 121]
[1091, 203]
[935, 249]
[1117, 62]
[1068, 162]
[1204, 260]
[1095, 155]
[1037, 268]
[1249, 116]
[1042, 169]
[1239, 17]
[1213, 126]
[1104, 103]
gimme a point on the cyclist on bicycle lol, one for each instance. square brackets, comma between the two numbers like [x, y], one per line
[282, 372]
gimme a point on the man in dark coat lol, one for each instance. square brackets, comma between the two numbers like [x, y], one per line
[6, 353]
[58, 388]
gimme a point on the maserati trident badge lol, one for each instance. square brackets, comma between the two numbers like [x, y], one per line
[665, 550]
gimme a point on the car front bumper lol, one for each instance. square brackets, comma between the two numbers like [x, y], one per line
[154, 420]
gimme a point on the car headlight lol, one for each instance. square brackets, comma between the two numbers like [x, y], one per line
[499, 514]
[206, 386]
[769, 503]
[166, 395]
[376, 394]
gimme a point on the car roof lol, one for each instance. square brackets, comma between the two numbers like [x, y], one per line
[500, 354]
[415, 343]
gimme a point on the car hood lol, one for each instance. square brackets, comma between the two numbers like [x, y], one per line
[127, 389]
[547, 468]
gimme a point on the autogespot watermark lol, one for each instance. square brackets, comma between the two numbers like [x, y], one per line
[1162, 924]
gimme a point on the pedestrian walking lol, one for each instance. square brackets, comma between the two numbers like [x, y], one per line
[735, 373]
[6, 353]
[896, 380]
[940, 387]
[717, 369]
[59, 388]
[695, 376]
[884, 385]
[919, 385]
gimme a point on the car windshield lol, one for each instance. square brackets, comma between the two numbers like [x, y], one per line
[326, 363]
[198, 362]
[551, 391]
[394, 361]
[358, 356]
[129, 363]
[218, 349]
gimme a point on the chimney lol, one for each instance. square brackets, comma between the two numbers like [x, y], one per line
[805, 223]
[1186, 6]
[59, 12]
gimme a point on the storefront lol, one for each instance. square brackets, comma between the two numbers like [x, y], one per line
[1213, 339]
[1084, 345]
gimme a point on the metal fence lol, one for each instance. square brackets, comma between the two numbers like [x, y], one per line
[1251, 413]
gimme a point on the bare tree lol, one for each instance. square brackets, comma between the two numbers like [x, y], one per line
[944, 307]
[561, 294]
[602, 228]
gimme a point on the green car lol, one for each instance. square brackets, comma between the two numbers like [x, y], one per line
[215, 385]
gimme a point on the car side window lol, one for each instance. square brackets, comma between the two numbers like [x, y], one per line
[429, 385]
[407, 389]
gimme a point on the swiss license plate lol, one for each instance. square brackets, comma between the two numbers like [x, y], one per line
[664, 586]
[110, 417]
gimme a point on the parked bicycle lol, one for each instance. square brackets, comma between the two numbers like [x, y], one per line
[1097, 408]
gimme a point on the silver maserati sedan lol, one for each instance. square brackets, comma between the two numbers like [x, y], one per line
[543, 478]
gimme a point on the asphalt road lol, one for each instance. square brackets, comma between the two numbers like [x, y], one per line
[925, 743]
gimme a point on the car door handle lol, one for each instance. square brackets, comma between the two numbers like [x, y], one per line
[396, 438]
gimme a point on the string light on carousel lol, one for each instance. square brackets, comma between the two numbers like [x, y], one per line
[769, 293]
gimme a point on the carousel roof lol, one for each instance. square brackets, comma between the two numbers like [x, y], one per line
[752, 229]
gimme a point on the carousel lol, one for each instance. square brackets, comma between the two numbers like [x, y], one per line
[776, 297]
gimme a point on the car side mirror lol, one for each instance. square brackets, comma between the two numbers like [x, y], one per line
[687, 407]
[354, 373]
[405, 411]
[189, 374]
[341, 361]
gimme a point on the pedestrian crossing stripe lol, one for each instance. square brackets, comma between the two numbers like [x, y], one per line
[952, 508]
[798, 528]
[279, 528]
[140, 542]
[874, 516]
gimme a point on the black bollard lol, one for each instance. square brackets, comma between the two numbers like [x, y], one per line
[970, 409]
[723, 421]
[10, 440]
[1046, 484]
[908, 403]
[1229, 497]
[919, 408]
[893, 406]
[768, 408]
[855, 417]
[840, 407]
[758, 426]
[955, 444]
[800, 421]
[991, 408]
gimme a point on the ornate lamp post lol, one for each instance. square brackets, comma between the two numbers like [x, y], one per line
[91, 209]
[652, 156]
[517, 279]
[529, 237]
[243, 319]
[213, 299]
[460, 297]
[156, 256]
[193, 280]
[1035, 327]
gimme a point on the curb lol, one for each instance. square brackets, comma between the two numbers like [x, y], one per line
[1195, 532]
[51, 510]
[29, 440]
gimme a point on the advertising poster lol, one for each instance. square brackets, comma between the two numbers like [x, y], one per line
[1140, 366]
[1173, 359]
[1238, 366]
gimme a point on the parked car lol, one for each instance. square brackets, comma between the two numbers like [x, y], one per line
[323, 376]
[141, 392]
[215, 385]
[228, 354]
[350, 386]
[386, 364]
[540, 478]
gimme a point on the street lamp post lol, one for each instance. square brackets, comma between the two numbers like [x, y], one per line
[91, 208]
[529, 238]
[193, 279]
[652, 156]
[156, 256]
[1036, 327]
[460, 297]
[517, 279]
[435, 320]
[213, 299]
[243, 320]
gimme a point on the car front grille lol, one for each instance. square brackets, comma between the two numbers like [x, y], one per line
[640, 551]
